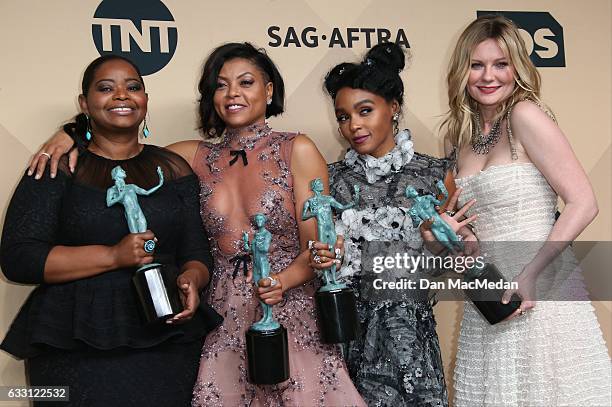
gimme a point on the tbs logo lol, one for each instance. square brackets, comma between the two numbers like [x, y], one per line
[542, 35]
[142, 30]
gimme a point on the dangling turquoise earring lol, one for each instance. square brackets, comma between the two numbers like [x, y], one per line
[88, 134]
[145, 129]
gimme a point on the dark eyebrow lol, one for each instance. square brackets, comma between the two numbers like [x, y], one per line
[245, 73]
[356, 105]
[113, 81]
[361, 102]
[105, 80]
[239, 76]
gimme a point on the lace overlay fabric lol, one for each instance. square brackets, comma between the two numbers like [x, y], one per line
[554, 355]
[231, 194]
[396, 360]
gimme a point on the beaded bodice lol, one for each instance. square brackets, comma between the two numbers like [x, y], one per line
[232, 193]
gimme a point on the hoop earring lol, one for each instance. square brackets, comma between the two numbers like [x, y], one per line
[339, 132]
[88, 133]
[145, 129]
[395, 121]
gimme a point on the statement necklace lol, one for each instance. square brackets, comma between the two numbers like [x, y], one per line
[482, 144]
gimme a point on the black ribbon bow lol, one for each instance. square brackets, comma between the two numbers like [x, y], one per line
[240, 153]
[244, 259]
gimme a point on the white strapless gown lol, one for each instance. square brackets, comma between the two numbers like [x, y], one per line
[554, 355]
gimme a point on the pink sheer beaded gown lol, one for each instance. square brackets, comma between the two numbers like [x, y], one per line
[235, 186]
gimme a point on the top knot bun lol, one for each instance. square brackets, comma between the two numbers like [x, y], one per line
[387, 54]
[378, 73]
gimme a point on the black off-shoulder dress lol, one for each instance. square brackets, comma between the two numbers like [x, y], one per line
[88, 334]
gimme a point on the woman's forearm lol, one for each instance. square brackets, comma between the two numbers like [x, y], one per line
[200, 272]
[573, 220]
[297, 273]
[67, 263]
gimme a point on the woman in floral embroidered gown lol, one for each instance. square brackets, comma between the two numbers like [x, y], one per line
[257, 170]
[396, 360]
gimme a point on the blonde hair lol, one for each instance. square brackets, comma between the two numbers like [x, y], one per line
[460, 119]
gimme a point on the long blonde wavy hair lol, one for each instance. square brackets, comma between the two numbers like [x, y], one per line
[460, 119]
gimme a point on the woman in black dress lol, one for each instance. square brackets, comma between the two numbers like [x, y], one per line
[82, 326]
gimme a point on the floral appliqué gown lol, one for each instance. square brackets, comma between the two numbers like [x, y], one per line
[396, 360]
[262, 174]
[554, 354]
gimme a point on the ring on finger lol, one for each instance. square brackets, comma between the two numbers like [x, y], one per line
[450, 213]
[273, 281]
[337, 253]
[311, 244]
[149, 246]
[46, 155]
[317, 259]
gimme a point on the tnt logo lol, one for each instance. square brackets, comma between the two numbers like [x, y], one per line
[142, 30]
[542, 35]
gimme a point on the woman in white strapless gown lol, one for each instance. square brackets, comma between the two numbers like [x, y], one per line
[550, 353]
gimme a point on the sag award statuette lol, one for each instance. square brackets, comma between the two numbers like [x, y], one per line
[266, 339]
[336, 307]
[488, 301]
[154, 283]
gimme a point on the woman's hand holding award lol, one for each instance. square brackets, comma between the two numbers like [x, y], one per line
[336, 306]
[154, 283]
[487, 300]
[266, 339]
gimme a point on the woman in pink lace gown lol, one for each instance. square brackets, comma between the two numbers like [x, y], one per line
[257, 170]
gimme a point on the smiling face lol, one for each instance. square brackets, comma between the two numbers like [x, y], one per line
[116, 99]
[491, 76]
[241, 94]
[366, 121]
